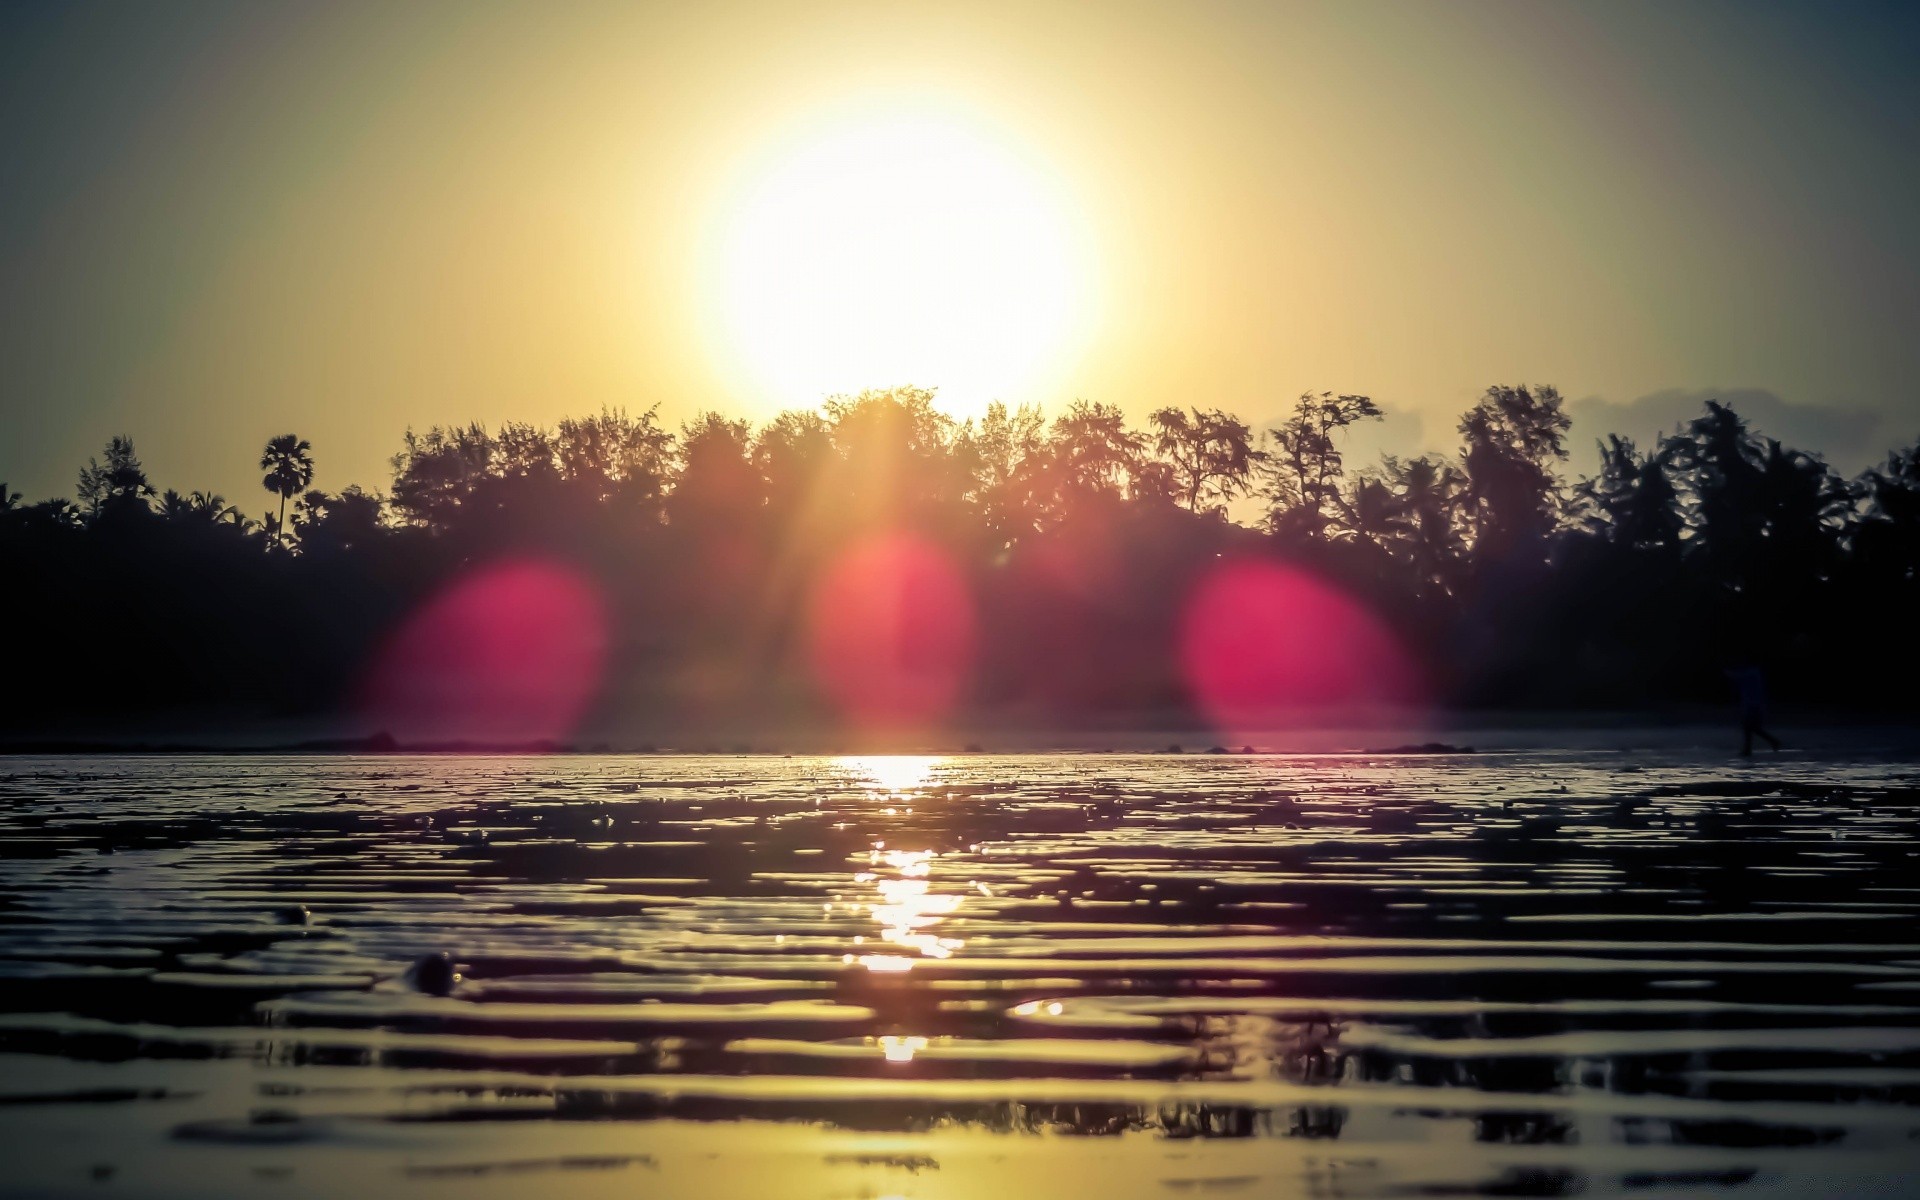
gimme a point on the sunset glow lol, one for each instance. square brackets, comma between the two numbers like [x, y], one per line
[898, 244]
[943, 600]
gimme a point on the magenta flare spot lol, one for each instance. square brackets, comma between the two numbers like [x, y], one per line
[1262, 643]
[514, 652]
[892, 632]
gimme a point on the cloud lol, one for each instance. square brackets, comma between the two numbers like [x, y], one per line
[1849, 438]
[1399, 431]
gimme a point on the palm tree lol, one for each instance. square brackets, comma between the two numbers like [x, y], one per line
[1430, 493]
[288, 462]
[1374, 514]
[213, 504]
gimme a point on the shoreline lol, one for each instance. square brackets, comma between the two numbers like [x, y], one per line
[1461, 734]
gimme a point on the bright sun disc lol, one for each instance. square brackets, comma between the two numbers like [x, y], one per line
[899, 248]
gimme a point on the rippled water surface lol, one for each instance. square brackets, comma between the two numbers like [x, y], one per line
[981, 976]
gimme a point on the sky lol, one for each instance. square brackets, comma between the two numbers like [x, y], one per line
[222, 222]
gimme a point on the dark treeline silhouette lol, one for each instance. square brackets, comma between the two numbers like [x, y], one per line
[1079, 536]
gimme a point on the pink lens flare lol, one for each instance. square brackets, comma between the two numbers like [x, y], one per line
[1263, 643]
[891, 632]
[513, 652]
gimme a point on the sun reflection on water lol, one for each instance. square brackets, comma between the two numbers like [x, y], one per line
[904, 904]
[907, 907]
[901, 1049]
[891, 773]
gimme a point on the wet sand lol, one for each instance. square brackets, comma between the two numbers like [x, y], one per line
[1542, 973]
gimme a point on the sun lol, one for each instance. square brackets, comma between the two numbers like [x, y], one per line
[899, 244]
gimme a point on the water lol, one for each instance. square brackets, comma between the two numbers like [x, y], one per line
[1527, 974]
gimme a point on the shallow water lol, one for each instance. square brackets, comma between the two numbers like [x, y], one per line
[1529, 974]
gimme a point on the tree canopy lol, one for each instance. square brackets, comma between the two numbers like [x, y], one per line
[1078, 537]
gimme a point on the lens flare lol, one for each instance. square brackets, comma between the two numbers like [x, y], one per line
[891, 632]
[1262, 642]
[513, 652]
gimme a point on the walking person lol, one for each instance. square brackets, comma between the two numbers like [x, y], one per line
[1751, 687]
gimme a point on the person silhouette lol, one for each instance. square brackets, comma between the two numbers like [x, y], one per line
[1751, 687]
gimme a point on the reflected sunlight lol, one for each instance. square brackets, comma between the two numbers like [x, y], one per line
[907, 909]
[891, 773]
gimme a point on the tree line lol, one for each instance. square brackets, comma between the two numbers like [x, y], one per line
[1080, 536]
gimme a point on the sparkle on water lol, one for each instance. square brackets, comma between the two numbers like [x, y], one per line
[1530, 974]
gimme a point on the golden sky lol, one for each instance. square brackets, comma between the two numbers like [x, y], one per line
[223, 223]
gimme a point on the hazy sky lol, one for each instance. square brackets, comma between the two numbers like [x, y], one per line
[223, 222]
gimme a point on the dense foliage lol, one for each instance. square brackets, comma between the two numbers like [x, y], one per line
[1080, 538]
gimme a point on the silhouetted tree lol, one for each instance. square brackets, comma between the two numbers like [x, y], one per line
[1632, 501]
[1429, 491]
[1374, 515]
[1006, 456]
[1514, 441]
[1303, 469]
[288, 463]
[524, 451]
[620, 459]
[202, 508]
[893, 460]
[1804, 507]
[434, 473]
[174, 506]
[117, 485]
[1211, 454]
[1764, 522]
[47, 515]
[717, 476]
[337, 523]
[1081, 540]
[1093, 452]
[1887, 538]
[793, 454]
